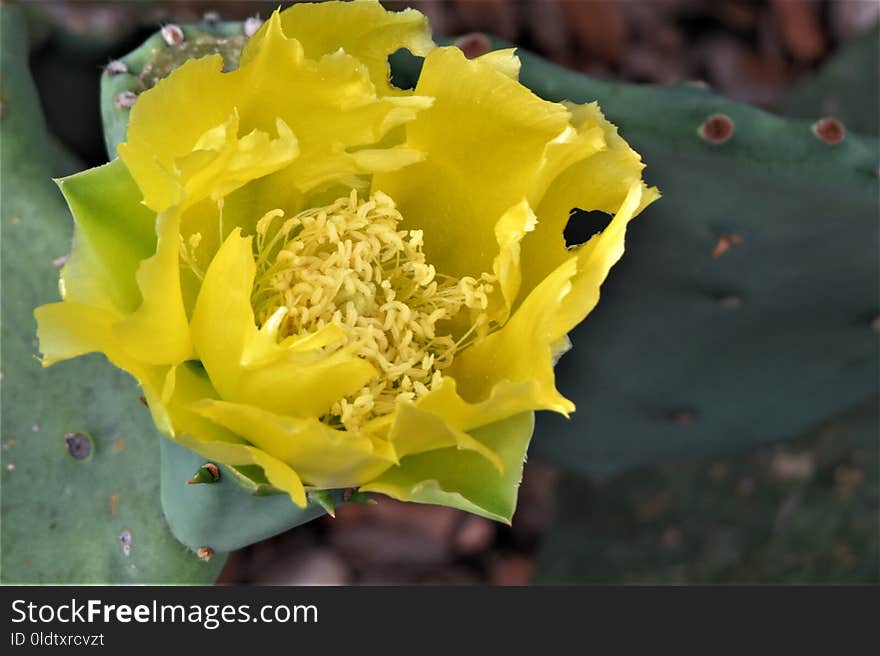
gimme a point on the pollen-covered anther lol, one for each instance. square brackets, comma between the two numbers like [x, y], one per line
[348, 264]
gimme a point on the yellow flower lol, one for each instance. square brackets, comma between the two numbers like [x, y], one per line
[341, 282]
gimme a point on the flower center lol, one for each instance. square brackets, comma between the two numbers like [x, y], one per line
[348, 264]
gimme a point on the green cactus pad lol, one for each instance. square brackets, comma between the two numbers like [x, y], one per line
[79, 460]
[805, 514]
[223, 516]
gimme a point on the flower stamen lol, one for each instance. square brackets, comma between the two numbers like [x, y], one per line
[348, 264]
[188, 248]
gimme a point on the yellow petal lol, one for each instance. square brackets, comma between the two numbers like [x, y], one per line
[66, 330]
[323, 456]
[492, 376]
[330, 105]
[263, 348]
[574, 144]
[223, 319]
[304, 387]
[158, 331]
[416, 430]
[600, 181]
[464, 479]
[247, 368]
[221, 162]
[507, 398]
[611, 172]
[363, 29]
[155, 138]
[504, 61]
[509, 232]
[382, 160]
[485, 137]
[499, 358]
[218, 444]
[595, 259]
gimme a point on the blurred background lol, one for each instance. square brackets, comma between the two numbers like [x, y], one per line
[805, 512]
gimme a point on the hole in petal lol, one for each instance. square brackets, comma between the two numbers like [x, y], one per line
[583, 224]
[405, 69]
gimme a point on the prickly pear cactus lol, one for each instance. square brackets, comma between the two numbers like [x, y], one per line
[713, 336]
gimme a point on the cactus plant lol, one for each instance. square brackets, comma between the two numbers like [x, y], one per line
[712, 313]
